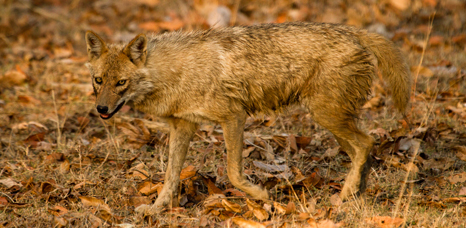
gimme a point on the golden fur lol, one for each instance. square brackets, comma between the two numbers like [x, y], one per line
[223, 75]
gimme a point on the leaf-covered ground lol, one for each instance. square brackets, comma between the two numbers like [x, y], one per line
[61, 165]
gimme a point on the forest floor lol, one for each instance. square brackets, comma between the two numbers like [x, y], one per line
[61, 165]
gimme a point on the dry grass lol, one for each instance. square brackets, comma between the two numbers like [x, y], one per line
[81, 155]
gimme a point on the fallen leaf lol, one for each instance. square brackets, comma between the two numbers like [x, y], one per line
[139, 200]
[243, 223]
[290, 208]
[460, 152]
[58, 210]
[400, 4]
[54, 157]
[211, 188]
[436, 40]
[3, 201]
[438, 163]
[89, 201]
[28, 100]
[188, 172]
[385, 221]
[335, 200]
[8, 182]
[457, 178]
[259, 212]
[330, 152]
[455, 200]
[280, 209]
[12, 78]
[139, 171]
[423, 71]
[248, 151]
[148, 187]
[462, 191]
[230, 206]
[327, 224]
[270, 168]
[60, 222]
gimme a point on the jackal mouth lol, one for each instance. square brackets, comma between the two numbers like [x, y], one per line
[108, 116]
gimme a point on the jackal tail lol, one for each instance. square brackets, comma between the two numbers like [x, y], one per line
[393, 67]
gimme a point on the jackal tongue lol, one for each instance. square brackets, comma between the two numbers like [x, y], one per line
[104, 115]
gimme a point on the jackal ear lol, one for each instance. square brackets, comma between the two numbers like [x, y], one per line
[95, 45]
[136, 50]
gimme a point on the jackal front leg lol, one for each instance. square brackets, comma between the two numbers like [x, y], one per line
[181, 133]
[233, 134]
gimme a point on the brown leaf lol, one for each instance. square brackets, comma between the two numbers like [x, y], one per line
[328, 224]
[3, 201]
[438, 163]
[138, 134]
[89, 201]
[290, 208]
[212, 189]
[148, 187]
[58, 210]
[436, 40]
[330, 152]
[65, 166]
[303, 216]
[28, 100]
[8, 182]
[303, 141]
[230, 206]
[459, 39]
[139, 171]
[460, 152]
[280, 209]
[33, 140]
[423, 71]
[455, 200]
[462, 191]
[260, 213]
[12, 78]
[312, 180]
[54, 157]
[46, 187]
[385, 221]
[243, 223]
[139, 200]
[60, 222]
[188, 172]
[270, 168]
[335, 200]
[458, 178]
[400, 4]
[248, 151]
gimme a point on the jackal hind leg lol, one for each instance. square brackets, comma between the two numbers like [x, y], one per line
[353, 141]
[233, 134]
[181, 133]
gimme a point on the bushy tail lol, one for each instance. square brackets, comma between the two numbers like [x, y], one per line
[393, 67]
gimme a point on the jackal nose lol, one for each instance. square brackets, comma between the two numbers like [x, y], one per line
[102, 109]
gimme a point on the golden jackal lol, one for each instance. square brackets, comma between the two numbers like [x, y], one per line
[224, 75]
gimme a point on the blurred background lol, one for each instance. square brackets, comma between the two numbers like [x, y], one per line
[58, 158]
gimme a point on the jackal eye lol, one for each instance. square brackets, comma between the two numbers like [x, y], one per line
[121, 82]
[98, 80]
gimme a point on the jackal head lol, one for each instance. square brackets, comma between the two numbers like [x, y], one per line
[118, 72]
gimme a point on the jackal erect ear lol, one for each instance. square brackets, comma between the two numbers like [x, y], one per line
[136, 50]
[95, 45]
